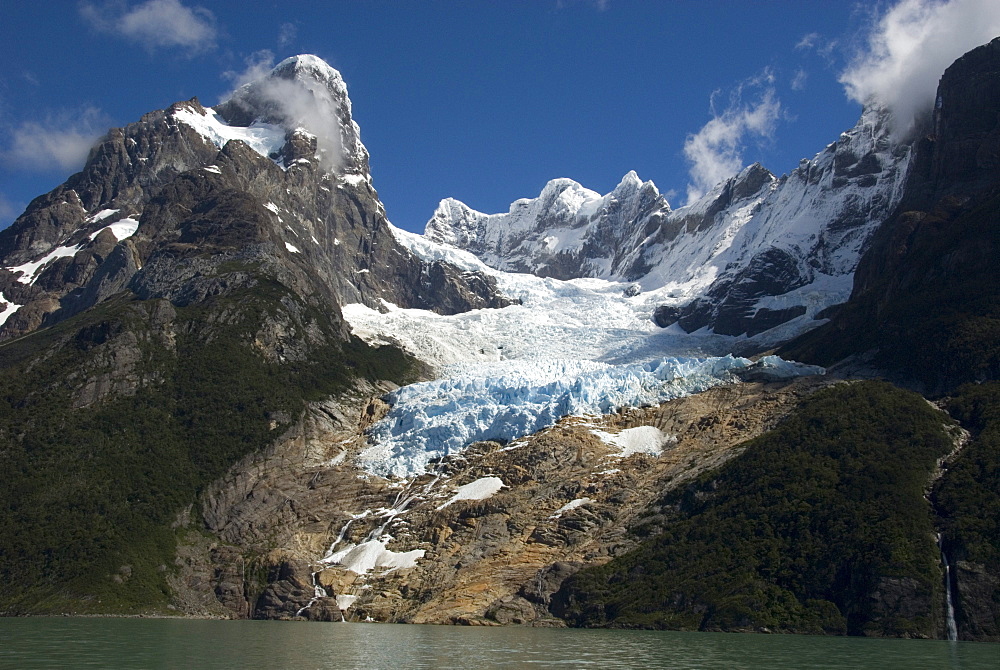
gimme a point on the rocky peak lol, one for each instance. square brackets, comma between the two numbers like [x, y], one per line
[961, 153]
[568, 231]
[923, 302]
[303, 93]
[275, 179]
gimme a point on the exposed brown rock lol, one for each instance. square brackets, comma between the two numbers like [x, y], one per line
[485, 562]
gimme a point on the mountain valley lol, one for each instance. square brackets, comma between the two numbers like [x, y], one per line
[233, 388]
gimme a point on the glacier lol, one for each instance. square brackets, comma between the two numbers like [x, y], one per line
[507, 400]
[579, 347]
[751, 264]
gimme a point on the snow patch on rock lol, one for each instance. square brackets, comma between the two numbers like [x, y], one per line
[571, 505]
[29, 271]
[264, 138]
[481, 489]
[371, 555]
[639, 440]
[120, 229]
[8, 311]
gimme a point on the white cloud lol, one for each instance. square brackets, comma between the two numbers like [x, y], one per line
[909, 48]
[304, 104]
[799, 80]
[808, 41]
[716, 151]
[155, 23]
[258, 65]
[287, 34]
[59, 142]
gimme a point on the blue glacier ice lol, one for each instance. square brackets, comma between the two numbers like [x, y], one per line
[514, 398]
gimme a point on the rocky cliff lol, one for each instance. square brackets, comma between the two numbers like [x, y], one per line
[924, 303]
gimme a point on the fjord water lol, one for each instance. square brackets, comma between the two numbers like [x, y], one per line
[177, 643]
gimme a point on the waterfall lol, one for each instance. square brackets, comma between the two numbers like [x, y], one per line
[949, 602]
[318, 592]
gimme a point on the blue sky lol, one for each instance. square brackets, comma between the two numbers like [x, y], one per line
[486, 101]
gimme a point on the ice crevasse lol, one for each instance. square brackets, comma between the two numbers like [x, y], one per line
[510, 399]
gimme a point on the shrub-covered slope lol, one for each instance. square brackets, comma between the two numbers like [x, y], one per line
[968, 501]
[820, 526]
[111, 423]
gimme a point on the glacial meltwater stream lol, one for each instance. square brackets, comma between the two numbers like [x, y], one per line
[176, 643]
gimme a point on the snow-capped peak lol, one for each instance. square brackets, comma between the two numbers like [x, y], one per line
[304, 93]
[753, 253]
[552, 234]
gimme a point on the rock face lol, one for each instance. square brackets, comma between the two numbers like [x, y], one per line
[920, 302]
[978, 594]
[191, 202]
[568, 499]
[753, 254]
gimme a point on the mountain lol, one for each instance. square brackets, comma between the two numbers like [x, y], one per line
[925, 304]
[171, 307]
[170, 206]
[232, 388]
[754, 253]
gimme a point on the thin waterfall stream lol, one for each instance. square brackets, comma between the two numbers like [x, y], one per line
[949, 602]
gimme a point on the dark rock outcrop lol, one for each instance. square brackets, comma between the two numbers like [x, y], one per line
[729, 307]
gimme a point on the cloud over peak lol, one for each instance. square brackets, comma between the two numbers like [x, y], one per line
[908, 49]
[59, 142]
[715, 152]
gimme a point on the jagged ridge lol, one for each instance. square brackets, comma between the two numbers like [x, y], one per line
[754, 253]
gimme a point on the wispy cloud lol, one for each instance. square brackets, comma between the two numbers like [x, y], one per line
[599, 5]
[799, 79]
[823, 46]
[257, 65]
[9, 210]
[908, 49]
[58, 142]
[155, 24]
[716, 151]
[287, 34]
[808, 41]
[300, 102]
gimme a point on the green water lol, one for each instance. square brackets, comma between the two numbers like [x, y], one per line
[175, 643]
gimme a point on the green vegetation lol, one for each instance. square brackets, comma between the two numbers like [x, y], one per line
[819, 526]
[968, 501]
[90, 493]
